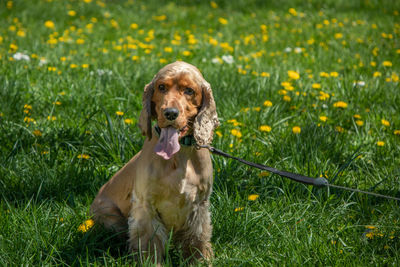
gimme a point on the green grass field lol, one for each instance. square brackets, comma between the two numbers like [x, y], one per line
[306, 86]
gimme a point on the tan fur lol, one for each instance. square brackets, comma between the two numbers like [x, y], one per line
[151, 196]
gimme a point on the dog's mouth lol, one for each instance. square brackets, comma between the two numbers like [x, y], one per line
[168, 143]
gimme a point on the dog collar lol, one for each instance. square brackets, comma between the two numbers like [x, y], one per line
[187, 140]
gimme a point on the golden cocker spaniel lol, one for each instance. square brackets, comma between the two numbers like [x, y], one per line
[166, 186]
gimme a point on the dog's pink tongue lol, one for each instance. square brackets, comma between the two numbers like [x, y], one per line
[168, 143]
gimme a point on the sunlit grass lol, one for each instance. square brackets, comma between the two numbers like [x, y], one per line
[299, 85]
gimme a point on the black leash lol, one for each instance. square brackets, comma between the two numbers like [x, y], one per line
[318, 182]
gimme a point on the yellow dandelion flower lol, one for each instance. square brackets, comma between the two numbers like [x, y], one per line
[37, 133]
[339, 129]
[84, 227]
[26, 106]
[395, 77]
[252, 197]
[334, 74]
[371, 227]
[160, 18]
[49, 24]
[369, 235]
[119, 113]
[387, 63]
[73, 66]
[357, 116]
[267, 103]
[340, 104]
[223, 21]
[226, 46]
[83, 156]
[51, 118]
[80, 41]
[396, 132]
[338, 35]
[296, 130]
[380, 143]
[359, 122]
[134, 26]
[72, 13]
[265, 128]
[239, 209]
[324, 74]
[186, 53]
[385, 122]
[236, 133]
[21, 33]
[235, 122]
[323, 118]
[265, 74]
[287, 98]
[13, 47]
[128, 121]
[29, 120]
[294, 75]
[316, 86]
[168, 49]
[213, 4]
[292, 11]
[218, 133]
[377, 74]
[323, 96]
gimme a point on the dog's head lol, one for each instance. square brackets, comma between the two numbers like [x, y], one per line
[180, 99]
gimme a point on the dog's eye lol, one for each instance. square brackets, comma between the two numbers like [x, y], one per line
[189, 91]
[161, 87]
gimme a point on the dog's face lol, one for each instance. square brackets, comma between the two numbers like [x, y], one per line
[176, 100]
[179, 97]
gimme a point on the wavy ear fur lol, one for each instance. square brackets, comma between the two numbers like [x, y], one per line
[145, 114]
[207, 119]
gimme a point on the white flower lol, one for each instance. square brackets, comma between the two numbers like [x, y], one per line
[216, 60]
[287, 50]
[101, 72]
[359, 83]
[227, 59]
[42, 62]
[20, 56]
[298, 50]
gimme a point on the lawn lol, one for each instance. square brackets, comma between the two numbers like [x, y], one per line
[310, 87]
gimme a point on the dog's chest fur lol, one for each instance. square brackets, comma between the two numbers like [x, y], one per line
[175, 190]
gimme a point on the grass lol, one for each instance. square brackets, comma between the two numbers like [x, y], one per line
[68, 122]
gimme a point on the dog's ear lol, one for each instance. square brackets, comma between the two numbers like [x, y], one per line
[146, 114]
[207, 119]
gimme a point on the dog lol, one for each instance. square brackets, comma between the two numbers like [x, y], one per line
[166, 186]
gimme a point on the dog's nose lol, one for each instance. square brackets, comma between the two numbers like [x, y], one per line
[171, 113]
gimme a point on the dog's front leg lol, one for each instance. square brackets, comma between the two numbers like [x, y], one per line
[196, 240]
[147, 235]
